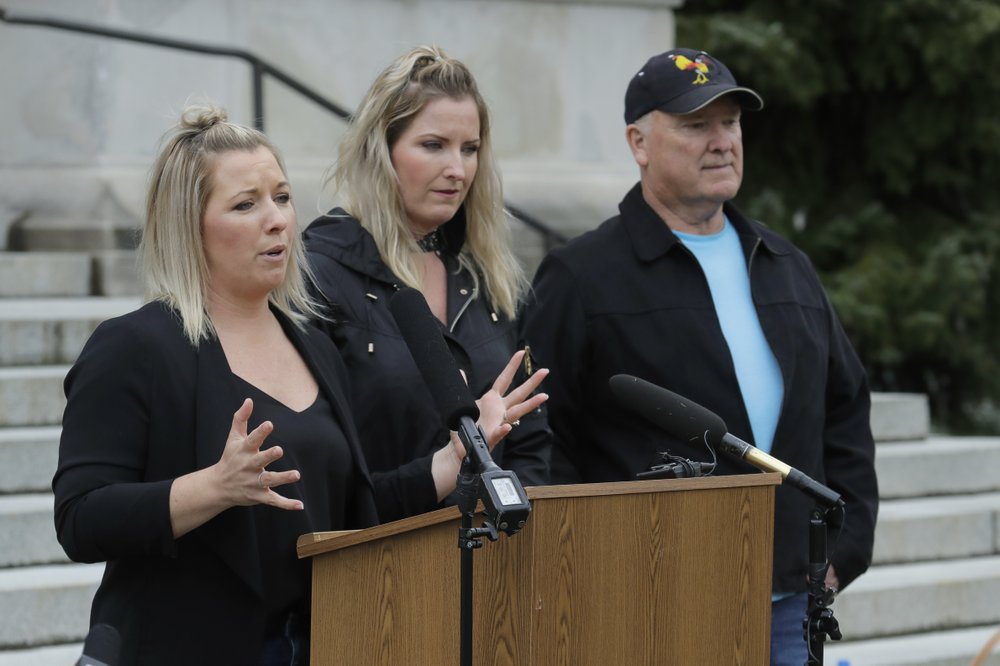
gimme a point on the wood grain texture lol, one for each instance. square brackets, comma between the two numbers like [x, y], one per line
[655, 572]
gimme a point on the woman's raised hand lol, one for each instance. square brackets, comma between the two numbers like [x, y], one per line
[500, 411]
[242, 471]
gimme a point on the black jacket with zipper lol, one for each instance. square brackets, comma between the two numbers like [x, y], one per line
[397, 418]
[628, 297]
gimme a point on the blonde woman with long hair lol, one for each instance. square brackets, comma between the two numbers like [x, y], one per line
[421, 207]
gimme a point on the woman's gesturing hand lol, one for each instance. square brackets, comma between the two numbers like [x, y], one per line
[242, 471]
[500, 411]
[238, 479]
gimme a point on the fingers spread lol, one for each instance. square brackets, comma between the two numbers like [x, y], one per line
[507, 375]
[516, 411]
[523, 391]
[269, 480]
[241, 416]
[497, 434]
[282, 502]
[271, 454]
[256, 438]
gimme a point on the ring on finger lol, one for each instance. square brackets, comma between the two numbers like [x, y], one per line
[260, 480]
[515, 423]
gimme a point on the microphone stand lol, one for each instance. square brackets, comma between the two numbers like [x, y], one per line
[506, 507]
[819, 621]
[469, 538]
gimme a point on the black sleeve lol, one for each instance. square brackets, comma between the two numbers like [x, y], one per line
[405, 491]
[849, 456]
[527, 450]
[555, 328]
[104, 506]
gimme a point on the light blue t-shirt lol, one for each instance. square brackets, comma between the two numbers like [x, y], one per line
[721, 259]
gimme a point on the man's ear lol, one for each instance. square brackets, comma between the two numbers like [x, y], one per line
[637, 144]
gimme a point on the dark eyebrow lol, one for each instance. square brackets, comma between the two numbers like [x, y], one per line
[438, 137]
[254, 190]
[249, 190]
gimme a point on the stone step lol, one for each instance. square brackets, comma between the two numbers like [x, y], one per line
[908, 530]
[28, 459]
[938, 466]
[938, 528]
[943, 648]
[28, 522]
[44, 274]
[928, 596]
[45, 331]
[116, 273]
[50, 234]
[900, 416]
[54, 655]
[940, 648]
[32, 395]
[46, 605]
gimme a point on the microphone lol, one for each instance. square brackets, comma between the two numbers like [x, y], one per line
[506, 504]
[687, 420]
[675, 467]
[101, 647]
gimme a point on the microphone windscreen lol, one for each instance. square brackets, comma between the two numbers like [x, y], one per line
[102, 645]
[422, 334]
[678, 416]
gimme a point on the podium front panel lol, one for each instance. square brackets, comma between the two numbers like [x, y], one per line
[664, 572]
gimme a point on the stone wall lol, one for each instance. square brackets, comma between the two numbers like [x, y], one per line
[83, 115]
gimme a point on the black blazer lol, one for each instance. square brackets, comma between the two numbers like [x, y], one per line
[145, 407]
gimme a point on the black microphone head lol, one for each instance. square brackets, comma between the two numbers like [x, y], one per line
[422, 334]
[101, 647]
[682, 418]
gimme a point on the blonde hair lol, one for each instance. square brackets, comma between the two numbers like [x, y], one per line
[369, 186]
[175, 270]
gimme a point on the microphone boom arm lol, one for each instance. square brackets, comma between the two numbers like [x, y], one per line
[686, 419]
[737, 448]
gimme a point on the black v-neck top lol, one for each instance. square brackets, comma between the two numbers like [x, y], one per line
[313, 443]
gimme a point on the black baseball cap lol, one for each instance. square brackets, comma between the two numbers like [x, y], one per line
[682, 81]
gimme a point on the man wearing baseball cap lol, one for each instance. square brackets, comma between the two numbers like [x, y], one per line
[684, 291]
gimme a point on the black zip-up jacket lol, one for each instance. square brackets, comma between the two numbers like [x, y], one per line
[628, 297]
[397, 419]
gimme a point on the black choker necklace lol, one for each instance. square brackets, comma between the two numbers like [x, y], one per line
[432, 242]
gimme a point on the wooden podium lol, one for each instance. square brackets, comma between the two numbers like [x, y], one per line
[641, 572]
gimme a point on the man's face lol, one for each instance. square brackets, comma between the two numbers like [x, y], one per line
[691, 161]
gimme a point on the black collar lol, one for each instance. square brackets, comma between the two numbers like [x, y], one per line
[432, 242]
